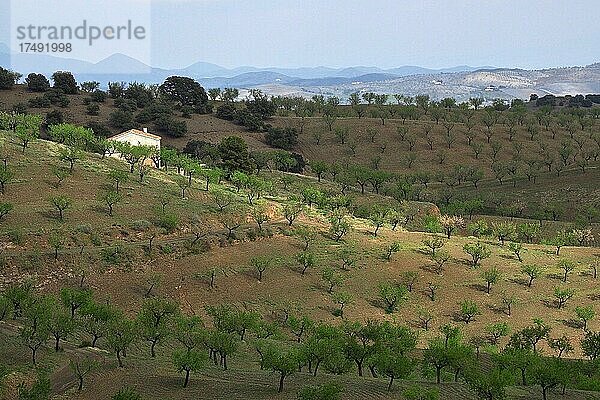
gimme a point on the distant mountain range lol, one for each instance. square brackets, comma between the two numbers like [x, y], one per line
[111, 66]
[460, 82]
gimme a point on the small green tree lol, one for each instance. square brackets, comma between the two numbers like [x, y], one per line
[60, 173]
[56, 240]
[155, 320]
[468, 311]
[61, 203]
[306, 234]
[567, 266]
[70, 154]
[433, 244]
[292, 211]
[188, 361]
[532, 271]
[339, 228]
[81, 367]
[260, 265]
[409, 279]
[118, 177]
[478, 252]
[491, 277]
[547, 373]
[392, 296]
[562, 295]
[393, 364]
[391, 249]
[231, 221]
[319, 168]
[504, 231]
[307, 260]
[517, 249]
[585, 314]
[590, 345]
[110, 198]
[440, 259]
[6, 176]
[562, 345]
[332, 279]
[497, 331]
[488, 384]
[259, 215]
[342, 299]
[508, 301]
[184, 184]
[122, 332]
[278, 358]
[75, 298]
[27, 129]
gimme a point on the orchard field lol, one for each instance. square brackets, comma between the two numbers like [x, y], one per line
[293, 248]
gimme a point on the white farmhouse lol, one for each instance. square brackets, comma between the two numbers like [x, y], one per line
[135, 137]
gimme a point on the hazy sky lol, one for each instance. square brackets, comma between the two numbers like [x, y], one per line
[384, 33]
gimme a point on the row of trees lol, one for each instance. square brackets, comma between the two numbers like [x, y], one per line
[295, 343]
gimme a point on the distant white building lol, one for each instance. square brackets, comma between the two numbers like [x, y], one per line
[135, 137]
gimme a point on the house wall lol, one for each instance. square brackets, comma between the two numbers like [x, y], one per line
[137, 140]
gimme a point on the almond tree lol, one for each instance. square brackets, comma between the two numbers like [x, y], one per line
[260, 265]
[259, 215]
[332, 279]
[468, 311]
[497, 331]
[6, 175]
[567, 266]
[440, 259]
[81, 367]
[434, 243]
[118, 177]
[491, 276]
[508, 301]
[27, 129]
[503, 231]
[61, 203]
[70, 154]
[391, 249]
[35, 330]
[292, 211]
[188, 361]
[562, 295]
[307, 235]
[585, 314]
[110, 198]
[122, 332]
[342, 299]
[532, 271]
[478, 252]
[231, 221]
[392, 295]
[155, 320]
[307, 260]
[450, 223]
[280, 359]
[517, 249]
